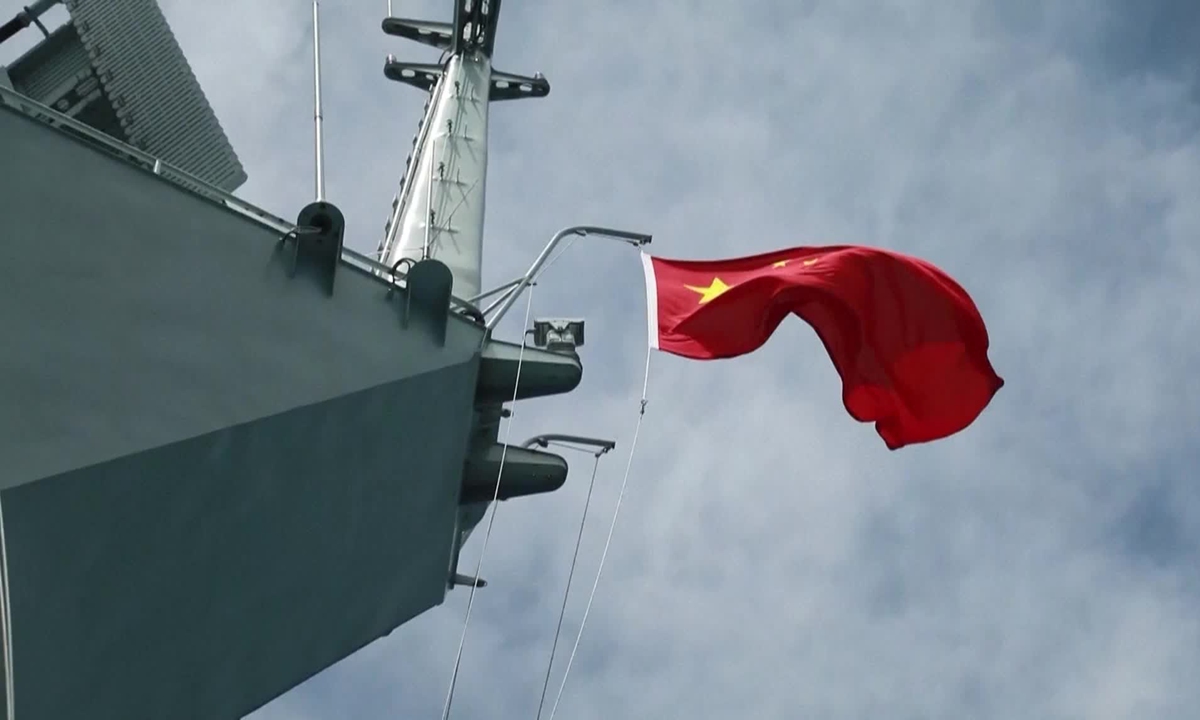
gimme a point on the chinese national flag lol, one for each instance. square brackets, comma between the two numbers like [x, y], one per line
[907, 340]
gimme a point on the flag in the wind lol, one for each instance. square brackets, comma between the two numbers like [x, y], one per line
[907, 340]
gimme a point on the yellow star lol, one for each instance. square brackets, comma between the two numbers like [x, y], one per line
[805, 263]
[708, 293]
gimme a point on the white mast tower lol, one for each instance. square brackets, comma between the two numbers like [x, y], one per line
[439, 208]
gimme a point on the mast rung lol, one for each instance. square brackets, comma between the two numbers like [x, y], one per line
[436, 34]
[509, 86]
[419, 75]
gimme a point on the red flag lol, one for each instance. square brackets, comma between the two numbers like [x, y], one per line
[906, 339]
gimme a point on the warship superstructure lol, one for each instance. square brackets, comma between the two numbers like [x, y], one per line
[234, 451]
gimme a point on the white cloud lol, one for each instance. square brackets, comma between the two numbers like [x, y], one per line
[772, 559]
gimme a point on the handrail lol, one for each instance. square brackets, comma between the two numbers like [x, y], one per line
[49, 116]
[197, 186]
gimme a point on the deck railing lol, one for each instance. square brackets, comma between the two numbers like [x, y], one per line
[178, 176]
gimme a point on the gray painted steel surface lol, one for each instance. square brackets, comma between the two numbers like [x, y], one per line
[217, 480]
[219, 476]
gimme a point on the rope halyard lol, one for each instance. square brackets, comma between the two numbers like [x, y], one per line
[608, 541]
[492, 518]
[570, 577]
[6, 619]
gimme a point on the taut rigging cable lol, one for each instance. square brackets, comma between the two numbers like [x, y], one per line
[492, 518]
[6, 619]
[570, 576]
[608, 542]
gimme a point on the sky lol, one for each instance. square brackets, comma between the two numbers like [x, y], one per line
[772, 559]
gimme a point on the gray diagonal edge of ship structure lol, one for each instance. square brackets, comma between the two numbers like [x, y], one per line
[219, 479]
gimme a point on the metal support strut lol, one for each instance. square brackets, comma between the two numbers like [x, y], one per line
[316, 243]
[506, 301]
[545, 440]
[28, 16]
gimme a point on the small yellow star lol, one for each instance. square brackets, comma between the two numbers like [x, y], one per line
[805, 263]
[708, 293]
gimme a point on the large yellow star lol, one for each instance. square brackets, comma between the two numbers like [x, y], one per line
[708, 293]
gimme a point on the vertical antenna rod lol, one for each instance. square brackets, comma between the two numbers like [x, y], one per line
[320, 145]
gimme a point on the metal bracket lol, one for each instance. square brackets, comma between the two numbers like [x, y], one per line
[507, 86]
[503, 85]
[467, 581]
[558, 334]
[436, 34]
[502, 304]
[523, 472]
[543, 373]
[419, 75]
[602, 446]
[427, 297]
[316, 243]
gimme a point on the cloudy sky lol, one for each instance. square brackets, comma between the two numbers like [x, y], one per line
[772, 558]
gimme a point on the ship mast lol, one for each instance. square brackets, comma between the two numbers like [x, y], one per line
[438, 211]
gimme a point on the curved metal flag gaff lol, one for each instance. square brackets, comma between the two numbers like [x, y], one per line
[906, 339]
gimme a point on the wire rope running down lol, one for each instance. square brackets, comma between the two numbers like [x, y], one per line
[570, 577]
[492, 518]
[608, 541]
[6, 620]
[555, 258]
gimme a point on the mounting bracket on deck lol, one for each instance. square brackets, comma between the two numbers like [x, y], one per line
[427, 297]
[316, 243]
[561, 335]
[467, 581]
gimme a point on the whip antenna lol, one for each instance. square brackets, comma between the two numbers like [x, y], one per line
[317, 113]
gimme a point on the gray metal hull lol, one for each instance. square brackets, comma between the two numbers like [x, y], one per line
[217, 479]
